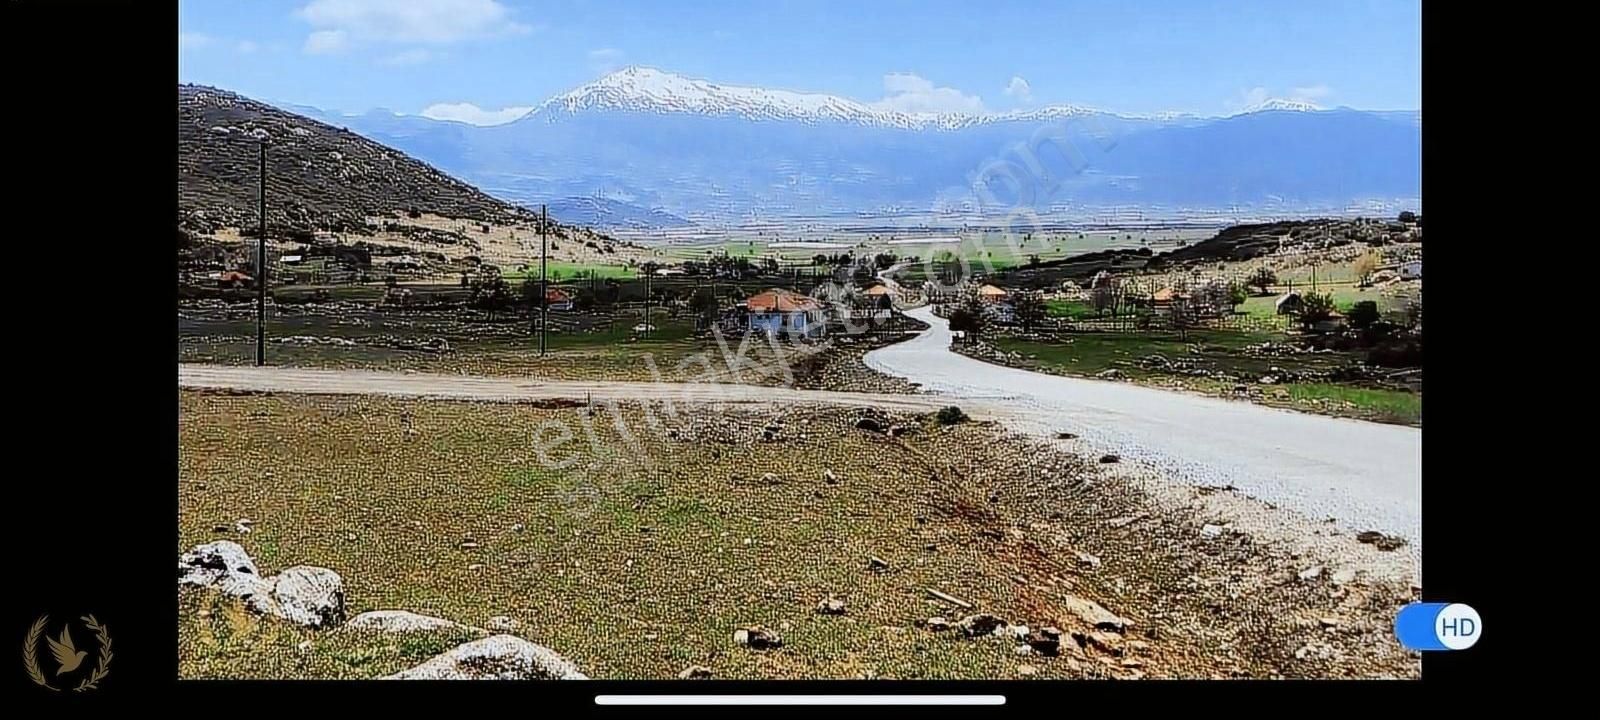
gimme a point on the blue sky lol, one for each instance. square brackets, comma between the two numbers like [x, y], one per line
[476, 58]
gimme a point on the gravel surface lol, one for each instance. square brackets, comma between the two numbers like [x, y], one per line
[1366, 476]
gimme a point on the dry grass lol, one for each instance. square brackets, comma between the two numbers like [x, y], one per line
[638, 563]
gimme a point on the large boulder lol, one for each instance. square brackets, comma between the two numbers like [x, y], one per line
[304, 595]
[402, 622]
[500, 657]
[224, 566]
[310, 596]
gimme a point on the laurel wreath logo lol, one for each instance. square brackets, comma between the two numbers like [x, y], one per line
[30, 654]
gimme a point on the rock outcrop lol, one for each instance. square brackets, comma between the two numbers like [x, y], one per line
[500, 657]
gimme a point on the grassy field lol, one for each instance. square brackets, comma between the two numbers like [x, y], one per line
[559, 271]
[638, 561]
[1088, 354]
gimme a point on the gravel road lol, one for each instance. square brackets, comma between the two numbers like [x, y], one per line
[512, 389]
[1367, 476]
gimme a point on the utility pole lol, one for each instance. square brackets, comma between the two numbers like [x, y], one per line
[544, 291]
[261, 263]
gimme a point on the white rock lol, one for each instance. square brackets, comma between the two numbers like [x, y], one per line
[208, 564]
[1212, 532]
[503, 624]
[311, 596]
[399, 621]
[1311, 573]
[500, 657]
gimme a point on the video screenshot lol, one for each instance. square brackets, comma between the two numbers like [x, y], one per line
[724, 353]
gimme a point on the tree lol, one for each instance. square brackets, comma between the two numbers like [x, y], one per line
[965, 322]
[1406, 216]
[1236, 296]
[1315, 308]
[1181, 315]
[1366, 265]
[1263, 278]
[490, 293]
[1027, 307]
[1363, 314]
[704, 305]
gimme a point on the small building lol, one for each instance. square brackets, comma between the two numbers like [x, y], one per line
[782, 313]
[992, 294]
[234, 279]
[1411, 270]
[558, 300]
[1290, 304]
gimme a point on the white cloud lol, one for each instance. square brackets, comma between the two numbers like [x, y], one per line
[474, 115]
[414, 56]
[910, 93]
[605, 60]
[1312, 93]
[430, 22]
[194, 40]
[323, 42]
[246, 47]
[1019, 89]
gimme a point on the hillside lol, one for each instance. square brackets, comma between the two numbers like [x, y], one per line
[322, 177]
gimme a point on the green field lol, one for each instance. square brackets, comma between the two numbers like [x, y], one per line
[1088, 354]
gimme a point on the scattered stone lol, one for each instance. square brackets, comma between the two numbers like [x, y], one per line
[830, 478]
[1022, 650]
[938, 624]
[870, 425]
[953, 600]
[1107, 459]
[877, 564]
[1087, 560]
[500, 657]
[1045, 640]
[244, 526]
[1019, 632]
[1381, 541]
[400, 622]
[1026, 670]
[1126, 521]
[1212, 532]
[757, 637]
[1316, 650]
[831, 606]
[1329, 622]
[519, 527]
[1066, 436]
[1094, 614]
[1109, 374]
[695, 672]
[303, 647]
[1343, 576]
[979, 625]
[503, 624]
[770, 479]
[1310, 573]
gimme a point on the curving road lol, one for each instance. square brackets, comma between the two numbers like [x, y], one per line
[1365, 475]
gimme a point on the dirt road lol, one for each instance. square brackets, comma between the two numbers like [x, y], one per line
[1365, 475]
[511, 389]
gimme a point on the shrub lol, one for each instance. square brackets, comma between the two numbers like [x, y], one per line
[951, 415]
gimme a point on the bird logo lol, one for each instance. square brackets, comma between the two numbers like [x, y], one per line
[67, 656]
[69, 659]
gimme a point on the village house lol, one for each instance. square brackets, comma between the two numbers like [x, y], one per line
[1290, 304]
[1411, 270]
[783, 313]
[558, 300]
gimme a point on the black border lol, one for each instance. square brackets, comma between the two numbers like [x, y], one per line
[92, 529]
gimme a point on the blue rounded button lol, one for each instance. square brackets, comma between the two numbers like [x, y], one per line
[1438, 626]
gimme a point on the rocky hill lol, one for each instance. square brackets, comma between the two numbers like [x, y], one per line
[320, 177]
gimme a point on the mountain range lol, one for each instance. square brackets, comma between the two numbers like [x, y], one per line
[645, 148]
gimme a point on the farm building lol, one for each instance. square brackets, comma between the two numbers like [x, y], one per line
[784, 313]
[1290, 304]
[1411, 270]
[992, 294]
[558, 300]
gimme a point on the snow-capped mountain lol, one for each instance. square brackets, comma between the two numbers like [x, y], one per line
[661, 145]
[648, 90]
